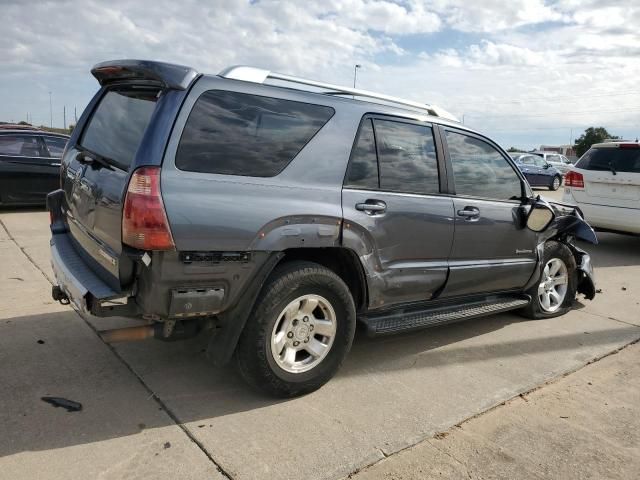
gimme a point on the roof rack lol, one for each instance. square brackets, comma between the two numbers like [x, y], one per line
[259, 75]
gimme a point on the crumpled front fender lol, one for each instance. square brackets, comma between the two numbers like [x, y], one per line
[568, 221]
[568, 224]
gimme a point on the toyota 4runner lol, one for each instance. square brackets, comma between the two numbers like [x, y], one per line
[274, 213]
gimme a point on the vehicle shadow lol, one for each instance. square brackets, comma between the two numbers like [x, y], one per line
[22, 209]
[118, 396]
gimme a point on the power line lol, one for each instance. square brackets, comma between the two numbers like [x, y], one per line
[584, 112]
[561, 97]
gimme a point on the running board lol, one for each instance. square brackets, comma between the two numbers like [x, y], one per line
[404, 320]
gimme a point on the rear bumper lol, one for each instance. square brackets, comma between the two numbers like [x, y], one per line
[608, 217]
[84, 289]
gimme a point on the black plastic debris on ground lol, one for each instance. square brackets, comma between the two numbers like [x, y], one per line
[69, 405]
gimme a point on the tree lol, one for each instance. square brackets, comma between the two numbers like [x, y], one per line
[590, 136]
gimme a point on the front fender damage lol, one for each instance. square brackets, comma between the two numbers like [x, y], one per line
[569, 224]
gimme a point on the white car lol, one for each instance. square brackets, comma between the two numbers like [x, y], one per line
[556, 160]
[605, 184]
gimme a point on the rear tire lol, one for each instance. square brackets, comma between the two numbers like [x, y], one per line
[300, 330]
[555, 291]
[555, 183]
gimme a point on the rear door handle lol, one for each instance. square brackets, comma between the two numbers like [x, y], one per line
[372, 207]
[469, 213]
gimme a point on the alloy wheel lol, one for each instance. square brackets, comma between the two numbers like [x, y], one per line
[553, 286]
[303, 333]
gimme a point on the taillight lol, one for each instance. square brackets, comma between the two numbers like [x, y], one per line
[574, 179]
[144, 220]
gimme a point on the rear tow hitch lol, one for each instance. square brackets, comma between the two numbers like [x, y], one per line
[58, 294]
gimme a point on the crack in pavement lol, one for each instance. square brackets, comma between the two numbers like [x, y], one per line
[520, 395]
[451, 456]
[160, 403]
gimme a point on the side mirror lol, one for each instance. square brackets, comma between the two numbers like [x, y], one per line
[539, 217]
[546, 166]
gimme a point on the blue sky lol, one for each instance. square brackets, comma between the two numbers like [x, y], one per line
[526, 72]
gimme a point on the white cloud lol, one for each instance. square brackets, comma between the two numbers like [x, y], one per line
[493, 15]
[490, 52]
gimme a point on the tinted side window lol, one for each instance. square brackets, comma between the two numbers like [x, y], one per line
[604, 159]
[480, 170]
[19, 146]
[240, 134]
[116, 127]
[540, 162]
[363, 166]
[407, 157]
[55, 145]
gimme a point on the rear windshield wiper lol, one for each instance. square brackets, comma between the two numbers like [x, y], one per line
[613, 170]
[91, 158]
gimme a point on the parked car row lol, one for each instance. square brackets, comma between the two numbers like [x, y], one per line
[538, 172]
[561, 163]
[29, 165]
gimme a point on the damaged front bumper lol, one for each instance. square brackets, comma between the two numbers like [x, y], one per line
[569, 223]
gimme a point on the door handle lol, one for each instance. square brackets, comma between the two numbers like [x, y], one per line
[469, 213]
[372, 207]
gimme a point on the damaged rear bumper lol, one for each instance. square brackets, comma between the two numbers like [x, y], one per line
[80, 286]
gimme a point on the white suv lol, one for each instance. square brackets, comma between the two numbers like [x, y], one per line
[605, 184]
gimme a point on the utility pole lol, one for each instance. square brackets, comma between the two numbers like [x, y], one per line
[64, 116]
[75, 114]
[50, 111]
[355, 73]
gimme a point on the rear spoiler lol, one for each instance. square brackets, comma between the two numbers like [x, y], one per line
[167, 75]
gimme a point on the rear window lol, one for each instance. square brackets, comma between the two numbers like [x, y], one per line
[55, 145]
[240, 134]
[620, 159]
[116, 127]
[20, 146]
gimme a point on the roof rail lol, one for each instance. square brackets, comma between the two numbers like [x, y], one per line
[259, 75]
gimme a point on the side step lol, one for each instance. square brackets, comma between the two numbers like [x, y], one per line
[406, 319]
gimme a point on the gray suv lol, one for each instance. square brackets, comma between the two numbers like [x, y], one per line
[274, 213]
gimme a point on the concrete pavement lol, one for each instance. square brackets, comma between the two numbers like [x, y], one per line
[391, 394]
[585, 425]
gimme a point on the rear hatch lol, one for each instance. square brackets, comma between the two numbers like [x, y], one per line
[125, 127]
[611, 175]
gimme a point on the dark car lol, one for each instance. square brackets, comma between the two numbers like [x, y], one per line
[273, 219]
[29, 165]
[538, 172]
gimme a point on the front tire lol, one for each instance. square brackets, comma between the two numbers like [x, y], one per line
[555, 291]
[300, 330]
[555, 183]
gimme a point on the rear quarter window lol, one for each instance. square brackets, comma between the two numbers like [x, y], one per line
[605, 159]
[116, 126]
[241, 134]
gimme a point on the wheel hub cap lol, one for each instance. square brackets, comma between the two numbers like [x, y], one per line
[552, 290]
[303, 333]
